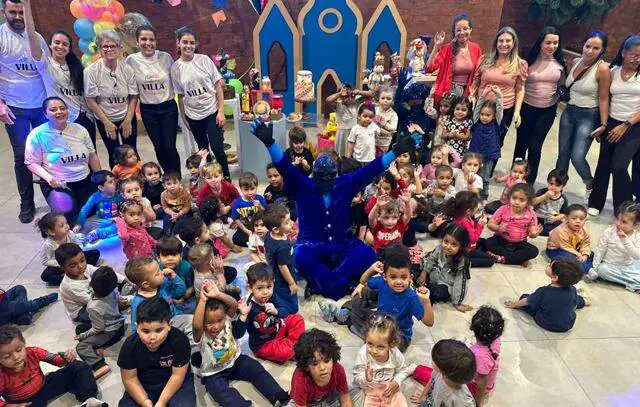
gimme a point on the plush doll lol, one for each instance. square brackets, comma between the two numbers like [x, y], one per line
[327, 255]
[416, 56]
[376, 78]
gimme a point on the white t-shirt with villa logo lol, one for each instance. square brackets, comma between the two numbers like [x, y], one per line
[153, 76]
[196, 81]
[110, 88]
[20, 81]
[63, 154]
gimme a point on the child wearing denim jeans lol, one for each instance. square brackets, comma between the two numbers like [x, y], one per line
[17, 308]
[104, 204]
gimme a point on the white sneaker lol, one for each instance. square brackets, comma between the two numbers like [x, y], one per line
[593, 212]
[591, 276]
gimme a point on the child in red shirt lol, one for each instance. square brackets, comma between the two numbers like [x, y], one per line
[216, 185]
[319, 379]
[388, 221]
[22, 380]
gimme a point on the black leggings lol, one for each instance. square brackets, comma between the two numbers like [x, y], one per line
[614, 159]
[68, 201]
[536, 123]
[513, 253]
[161, 122]
[111, 144]
[207, 132]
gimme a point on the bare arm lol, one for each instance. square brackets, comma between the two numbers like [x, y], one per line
[173, 384]
[134, 388]
[182, 112]
[286, 274]
[333, 98]
[603, 76]
[94, 162]
[481, 391]
[493, 225]
[34, 44]
[350, 147]
[345, 400]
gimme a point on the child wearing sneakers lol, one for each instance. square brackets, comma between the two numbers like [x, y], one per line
[220, 359]
[107, 323]
[273, 328]
[279, 254]
[22, 382]
[553, 307]
[16, 308]
[104, 204]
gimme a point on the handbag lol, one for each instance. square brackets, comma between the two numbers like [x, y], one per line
[564, 91]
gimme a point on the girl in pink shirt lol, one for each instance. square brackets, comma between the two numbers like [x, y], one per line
[512, 224]
[136, 241]
[487, 324]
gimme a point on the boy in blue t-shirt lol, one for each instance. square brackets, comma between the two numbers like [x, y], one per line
[243, 208]
[396, 298]
[104, 204]
[553, 307]
[278, 249]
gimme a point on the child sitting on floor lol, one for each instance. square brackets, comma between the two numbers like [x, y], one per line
[55, 231]
[154, 361]
[487, 325]
[17, 308]
[246, 206]
[380, 367]
[176, 201]
[107, 323]
[388, 221]
[128, 165]
[440, 155]
[392, 280]
[169, 250]
[454, 365]
[512, 225]
[136, 241]
[209, 211]
[104, 204]
[208, 267]
[466, 178]
[618, 250]
[273, 328]
[439, 191]
[571, 239]
[131, 188]
[276, 193]
[518, 173]
[319, 380]
[220, 360]
[297, 153]
[550, 203]
[553, 307]
[216, 185]
[445, 271]
[257, 251]
[153, 187]
[194, 164]
[24, 384]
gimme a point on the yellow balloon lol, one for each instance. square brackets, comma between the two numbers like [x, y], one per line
[86, 60]
[101, 25]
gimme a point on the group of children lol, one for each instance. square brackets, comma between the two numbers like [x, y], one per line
[187, 314]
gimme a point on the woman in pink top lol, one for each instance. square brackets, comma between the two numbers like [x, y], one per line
[546, 71]
[456, 61]
[503, 67]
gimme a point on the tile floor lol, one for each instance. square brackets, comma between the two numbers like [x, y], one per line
[593, 365]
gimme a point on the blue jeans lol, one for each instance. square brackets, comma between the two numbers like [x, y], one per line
[185, 396]
[557, 254]
[25, 120]
[485, 173]
[574, 141]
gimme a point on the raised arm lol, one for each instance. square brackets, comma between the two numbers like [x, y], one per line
[34, 44]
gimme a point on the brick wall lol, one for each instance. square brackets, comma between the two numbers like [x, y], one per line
[426, 16]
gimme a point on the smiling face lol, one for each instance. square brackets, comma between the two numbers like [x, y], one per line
[60, 46]
[57, 112]
[576, 220]
[461, 112]
[214, 321]
[298, 146]
[320, 369]
[147, 43]
[13, 355]
[14, 14]
[378, 345]
[261, 291]
[591, 49]
[450, 245]
[462, 31]
[153, 334]
[187, 46]
[550, 44]
[109, 50]
[398, 279]
[505, 44]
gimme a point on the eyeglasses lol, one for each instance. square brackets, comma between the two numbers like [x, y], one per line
[106, 47]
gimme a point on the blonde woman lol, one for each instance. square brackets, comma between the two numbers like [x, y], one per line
[503, 67]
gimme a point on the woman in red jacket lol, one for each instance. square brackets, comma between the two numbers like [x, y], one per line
[456, 62]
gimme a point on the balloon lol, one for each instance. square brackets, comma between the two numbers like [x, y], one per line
[131, 22]
[90, 12]
[117, 9]
[101, 25]
[93, 47]
[76, 8]
[107, 16]
[84, 28]
[95, 57]
[237, 85]
[83, 44]
[86, 60]
[228, 110]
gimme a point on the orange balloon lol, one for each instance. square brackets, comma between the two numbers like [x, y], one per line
[117, 9]
[95, 57]
[75, 8]
[107, 16]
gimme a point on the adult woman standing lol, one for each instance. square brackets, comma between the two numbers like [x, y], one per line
[456, 62]
[621, 138]
[152, 69]
[62, 154]
[503, 67]
[546, 70]
[62, 72]
[587, 111]
[200, 97]
[110, 89]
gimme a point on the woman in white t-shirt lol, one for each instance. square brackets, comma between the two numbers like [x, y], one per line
[62, 72]
[62, 154]
[620, 144]
[159, 111]
[111, 92]
[198, 84]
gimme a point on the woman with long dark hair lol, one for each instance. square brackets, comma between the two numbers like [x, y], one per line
[620, 142]
[456, 62]
[198, 85]
[158, 109]
[546, 71]
[62, 72]
[587, 111]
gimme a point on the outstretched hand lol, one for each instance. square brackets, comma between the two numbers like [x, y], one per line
[404, 144]
[263, 131]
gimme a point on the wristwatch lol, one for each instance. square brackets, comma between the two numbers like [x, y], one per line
[628, 123]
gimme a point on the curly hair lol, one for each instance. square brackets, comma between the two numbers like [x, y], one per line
[386, 325]
[487, 325]
[312, 341]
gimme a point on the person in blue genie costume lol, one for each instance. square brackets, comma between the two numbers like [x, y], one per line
[327, 255]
